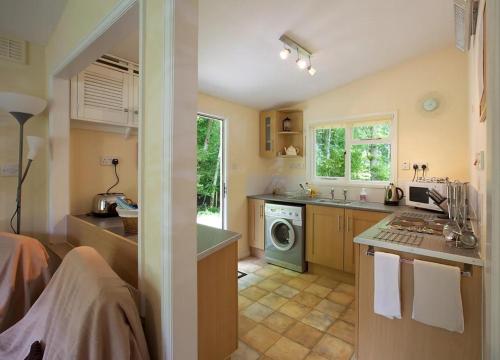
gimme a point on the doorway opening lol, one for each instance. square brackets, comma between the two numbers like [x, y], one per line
[211, 182]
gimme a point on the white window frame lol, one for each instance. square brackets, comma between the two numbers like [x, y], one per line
[348, 123]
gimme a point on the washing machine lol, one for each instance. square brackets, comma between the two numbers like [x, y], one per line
[285, 241]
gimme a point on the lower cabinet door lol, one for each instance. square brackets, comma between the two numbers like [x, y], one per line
[325, 236]
[356, 222]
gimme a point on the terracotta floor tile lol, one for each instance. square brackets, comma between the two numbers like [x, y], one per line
[252, 279]
[340, 298]
[282, 278]
[278, 322]
[298, 283]
[286, 349]
[245, 325]
[244, 352]
[317, 290]
[342, 330]
[290, 272]
[308, 277]
[273, 301]
[266, 271]
[304, 334]
[315, 356]
[269, 284]
[332, 348]
[257, 312]
[253, 293]
[242, 285]
[318, 320]
[243, 302]
[349, 316]
[261, 338]
[248, 266]
[307, 299]
[330, 308]
[294, 310]
[327, 282]
[346, 288]
[286, 291]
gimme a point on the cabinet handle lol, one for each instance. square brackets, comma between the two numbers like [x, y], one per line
[338, 222]
[347, 224]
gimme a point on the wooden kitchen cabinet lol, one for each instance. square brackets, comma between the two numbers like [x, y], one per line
[106, 92]
[381, 338]
[256, 224]
[356, 222]
[268, 134]
[325, 236]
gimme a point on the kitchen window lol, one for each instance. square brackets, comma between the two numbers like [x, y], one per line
[360, 151]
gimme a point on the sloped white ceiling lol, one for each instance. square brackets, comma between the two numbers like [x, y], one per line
[31, 20]
[239, 47]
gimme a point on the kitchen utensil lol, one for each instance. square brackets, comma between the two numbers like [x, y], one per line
[393, 195]
[438, 199]
[104, 204]
[468, 240]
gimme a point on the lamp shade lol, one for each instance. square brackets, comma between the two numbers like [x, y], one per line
[34, 145]
[20, 103]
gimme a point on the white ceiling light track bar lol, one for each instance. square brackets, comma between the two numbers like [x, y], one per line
[303, 55]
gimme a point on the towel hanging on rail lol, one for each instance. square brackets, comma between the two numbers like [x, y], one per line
[387, 300]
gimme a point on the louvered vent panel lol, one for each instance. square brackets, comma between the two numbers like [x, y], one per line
[103, 92]
[13, 50]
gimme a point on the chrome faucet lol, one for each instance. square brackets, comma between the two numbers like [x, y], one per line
[332, 193]
[345, 194]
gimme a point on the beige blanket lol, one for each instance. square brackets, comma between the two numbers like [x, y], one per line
[86, 312]
[24, 274]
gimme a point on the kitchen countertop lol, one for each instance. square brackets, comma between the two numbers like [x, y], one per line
[355, 205]
[432, 245]
[209, 239]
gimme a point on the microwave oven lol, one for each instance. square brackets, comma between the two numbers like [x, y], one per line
[417, 194]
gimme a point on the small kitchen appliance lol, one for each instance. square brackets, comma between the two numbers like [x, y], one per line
[419, 193]
[393, 194]
[104, 204]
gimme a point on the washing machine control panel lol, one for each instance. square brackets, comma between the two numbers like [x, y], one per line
[284, 211]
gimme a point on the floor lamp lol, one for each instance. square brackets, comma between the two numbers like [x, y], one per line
[22, 108]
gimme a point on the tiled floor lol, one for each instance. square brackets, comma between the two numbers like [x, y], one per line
[284, 315]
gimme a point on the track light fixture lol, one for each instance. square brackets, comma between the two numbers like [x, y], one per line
[302, 54]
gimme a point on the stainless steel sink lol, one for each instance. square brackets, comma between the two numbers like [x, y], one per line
[336, 201]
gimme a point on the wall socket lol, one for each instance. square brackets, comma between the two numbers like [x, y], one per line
[8, 169]
[419, 164]
[107, 160]
[405, 165]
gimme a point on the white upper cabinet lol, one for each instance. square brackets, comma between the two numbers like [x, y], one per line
[107, 94]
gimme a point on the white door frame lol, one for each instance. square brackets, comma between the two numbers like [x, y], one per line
[167, 281]
[224, 183]
[492, 270]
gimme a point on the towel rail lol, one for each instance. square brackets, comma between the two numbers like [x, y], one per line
[467, 272]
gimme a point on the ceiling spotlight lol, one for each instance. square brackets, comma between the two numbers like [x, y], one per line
[310, 69]
[301, 63]
[284, 53]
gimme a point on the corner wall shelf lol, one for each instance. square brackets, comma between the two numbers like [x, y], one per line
[289, 132]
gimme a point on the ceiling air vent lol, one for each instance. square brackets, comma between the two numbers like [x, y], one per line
[13, 50]
[465, 22]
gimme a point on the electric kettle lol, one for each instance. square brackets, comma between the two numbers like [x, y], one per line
[393, 194]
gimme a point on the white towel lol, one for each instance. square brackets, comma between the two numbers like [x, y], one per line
[436, 295]
[387, 300]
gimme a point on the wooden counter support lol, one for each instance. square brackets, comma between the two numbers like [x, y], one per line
[218, 304]
[381, 338]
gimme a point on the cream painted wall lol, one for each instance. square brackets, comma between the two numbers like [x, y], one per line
[88, 177]
[247, 173]
[27, 79]
[439, 138]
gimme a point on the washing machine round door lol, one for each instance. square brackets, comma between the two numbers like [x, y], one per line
[282, 234]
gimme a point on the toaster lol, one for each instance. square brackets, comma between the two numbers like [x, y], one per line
[104, 204]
